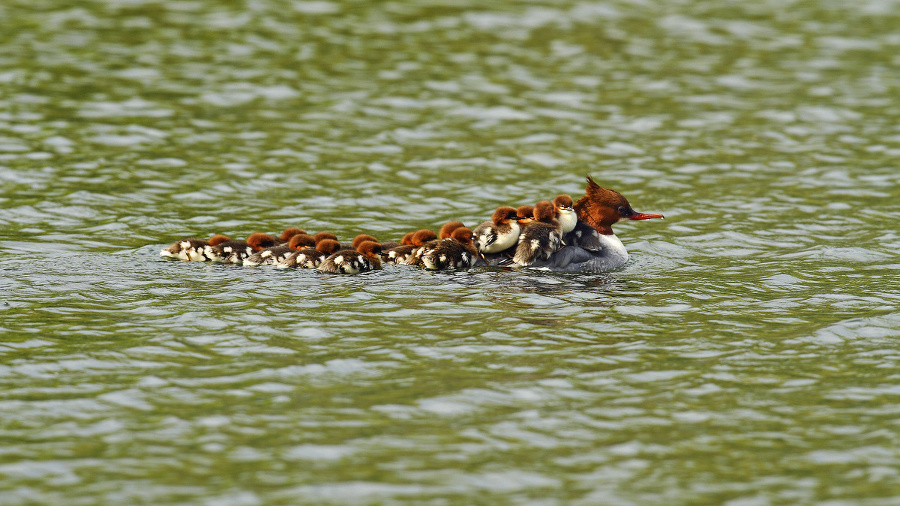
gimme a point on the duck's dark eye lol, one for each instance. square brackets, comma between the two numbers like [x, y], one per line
[622, 211]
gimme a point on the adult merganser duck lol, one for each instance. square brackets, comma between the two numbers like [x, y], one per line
[457, 252]
[348, 261]
[236, 251]
[277, 254]
[599, 209]
[540, 238]
[309, 257]
[500, 233]
[400, 254]
[415, 258]
[192, 248]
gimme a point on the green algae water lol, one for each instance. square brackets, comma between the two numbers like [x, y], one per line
[748, 354]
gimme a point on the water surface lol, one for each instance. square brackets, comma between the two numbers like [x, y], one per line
[745, 355]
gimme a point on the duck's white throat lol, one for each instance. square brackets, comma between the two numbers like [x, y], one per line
[613, 249]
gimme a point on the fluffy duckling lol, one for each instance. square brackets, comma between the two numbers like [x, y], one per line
[277, 254]
[236, 251]
[565, 214]
[525, 214]
[311, 257]
[324, 235]
[500, 233]
[457, 252]
[286, 235]
[359, 239]
[415, 258]
[348, 261]
[540, 238]
[400, 254]
[192, 248]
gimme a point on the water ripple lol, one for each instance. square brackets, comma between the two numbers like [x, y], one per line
[748, 342]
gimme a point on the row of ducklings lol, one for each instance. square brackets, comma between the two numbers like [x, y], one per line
[523, 235]
[293, 248]
[513, 236]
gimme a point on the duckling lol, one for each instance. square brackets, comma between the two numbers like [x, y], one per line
[565, 214]
[400, 254]
[500, 233]
[540, 238]
[236, 251]
[192, 248]
[309, 257]
[348, 261]
[415, 258]
[277, 254]
[457, 252]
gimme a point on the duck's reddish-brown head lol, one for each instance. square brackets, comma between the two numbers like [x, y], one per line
[504, 214]
[290, 232]
[301, 241]
[601, 208]
[259, 241]
[544, 211]
[525, 214]
[327, 246]
[321, 236]
[462, 235]
[423, 236]
[361, 238]
[218, 239]
[448, 229]
[407, 239]
[370, 249]
[562, 202]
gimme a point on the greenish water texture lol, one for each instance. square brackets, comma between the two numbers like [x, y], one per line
[748, 354]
